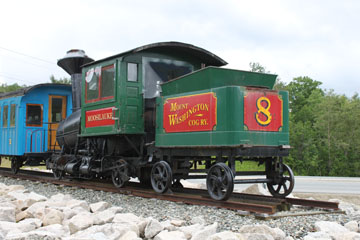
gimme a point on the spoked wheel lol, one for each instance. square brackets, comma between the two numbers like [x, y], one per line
[220, 181]
[161, 177]
[15, 165]
[58, 174]
[284, 185]
[119, 174]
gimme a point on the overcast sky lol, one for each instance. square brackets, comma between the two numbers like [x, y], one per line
[319, 38]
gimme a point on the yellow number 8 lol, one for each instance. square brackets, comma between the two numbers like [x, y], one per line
[264, 111]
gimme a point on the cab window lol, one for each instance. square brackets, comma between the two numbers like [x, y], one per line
[107, 82]
[132, 70]
[100, 83]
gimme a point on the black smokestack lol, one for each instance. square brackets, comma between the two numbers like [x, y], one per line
[72, 63]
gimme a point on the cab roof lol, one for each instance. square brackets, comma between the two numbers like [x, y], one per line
[205, 56]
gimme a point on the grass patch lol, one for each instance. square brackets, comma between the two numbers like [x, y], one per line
[249, 166]
[244, 166]
[6, 163]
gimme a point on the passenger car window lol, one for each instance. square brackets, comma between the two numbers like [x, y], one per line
[34, 115]
[12, 115]
[5, 116]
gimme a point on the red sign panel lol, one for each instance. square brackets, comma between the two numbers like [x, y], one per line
[192, 113]
[263, 111]
[99, 117]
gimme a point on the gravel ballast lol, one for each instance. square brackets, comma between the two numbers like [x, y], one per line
[296, 227]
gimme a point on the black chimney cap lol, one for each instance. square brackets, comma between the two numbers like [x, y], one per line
[73, 61]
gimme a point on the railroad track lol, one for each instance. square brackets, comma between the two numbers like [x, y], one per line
[263, 206]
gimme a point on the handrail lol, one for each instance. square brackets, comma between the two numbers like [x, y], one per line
[51, 147]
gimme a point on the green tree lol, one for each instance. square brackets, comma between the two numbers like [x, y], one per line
[338, 131]
[61, 80]
[257, 67]
[300, 91]
[9, 88]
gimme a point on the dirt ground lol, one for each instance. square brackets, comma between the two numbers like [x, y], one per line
[350, 198]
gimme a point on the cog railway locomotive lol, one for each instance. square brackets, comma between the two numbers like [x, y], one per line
[167, 111]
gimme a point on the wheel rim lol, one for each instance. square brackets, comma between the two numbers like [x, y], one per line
[286, 184]
[220, 182]
[119, 175]
[161, 177]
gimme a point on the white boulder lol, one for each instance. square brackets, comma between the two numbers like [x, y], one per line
[226, 235]
[177, 222]
[52, 216]
[23, 215]
[123, 228]
[174, 235]
[352, 226]
[7, 214]
[330, 227]
[74, 203]
[168, 226]
[206, 232]
[130, 235]
[129, 218]
[37, 210]
[317, 236]
[99, 206]
[59, 200]
[152, 228]
[6, 227]
[80, 221]
[257, 236]
[58, 229]
[107, 230]
[71, 212]
[346, 236]
[189, 231]
[33, 235]
[276, 234]
[103, 217]
[29, 224]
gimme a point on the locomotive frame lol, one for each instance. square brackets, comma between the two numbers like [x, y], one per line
[119, 128]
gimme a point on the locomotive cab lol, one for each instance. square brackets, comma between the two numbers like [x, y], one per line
[118, 108]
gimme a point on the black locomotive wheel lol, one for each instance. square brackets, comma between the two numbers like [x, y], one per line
[119, 174]
[286, 184]
[161, 177]
[220, 181]
[58, 174]
[15, 165]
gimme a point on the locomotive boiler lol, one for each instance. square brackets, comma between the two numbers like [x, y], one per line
[167, 111]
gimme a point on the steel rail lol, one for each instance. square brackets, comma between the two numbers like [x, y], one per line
[238, 201]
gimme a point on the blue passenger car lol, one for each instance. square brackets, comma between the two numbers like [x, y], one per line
[29, 118]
